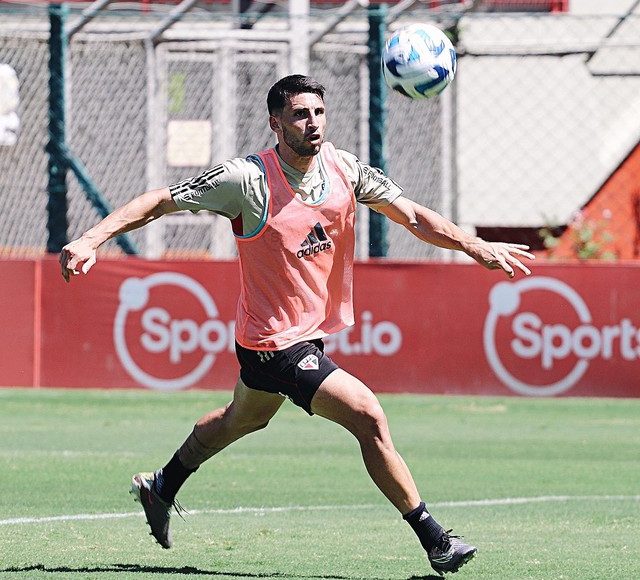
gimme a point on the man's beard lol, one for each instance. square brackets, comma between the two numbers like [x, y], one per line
[300, 147]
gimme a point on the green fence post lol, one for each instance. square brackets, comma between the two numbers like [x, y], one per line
[57, 186]
[378, 243]
[61, 159]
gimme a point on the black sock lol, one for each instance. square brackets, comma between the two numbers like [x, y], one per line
[426, 528]
[170, 478]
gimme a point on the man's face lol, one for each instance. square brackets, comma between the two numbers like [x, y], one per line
[301, 124]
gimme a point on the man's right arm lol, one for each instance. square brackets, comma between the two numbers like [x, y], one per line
[79, 255]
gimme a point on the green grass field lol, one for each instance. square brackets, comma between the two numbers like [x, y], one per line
[547, 489]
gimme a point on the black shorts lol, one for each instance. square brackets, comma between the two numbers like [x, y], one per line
[295, 372]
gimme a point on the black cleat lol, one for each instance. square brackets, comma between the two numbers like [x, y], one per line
[450, 554]
[157, 511]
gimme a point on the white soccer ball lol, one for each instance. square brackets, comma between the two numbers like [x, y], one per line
[419, 61]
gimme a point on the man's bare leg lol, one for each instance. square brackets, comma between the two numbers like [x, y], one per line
[249, 411]
[344, 399]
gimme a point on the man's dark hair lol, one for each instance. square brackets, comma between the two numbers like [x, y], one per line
[289, 86]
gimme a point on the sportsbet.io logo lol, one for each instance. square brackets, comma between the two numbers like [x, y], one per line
[168, 350]
[556, 345]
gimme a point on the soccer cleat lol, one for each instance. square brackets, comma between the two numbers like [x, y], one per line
[450, 554]
[157, 511]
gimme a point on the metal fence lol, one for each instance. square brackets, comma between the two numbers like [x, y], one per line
[543, 115]
[23, 161]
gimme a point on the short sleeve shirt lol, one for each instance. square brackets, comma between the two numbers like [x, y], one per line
[238, 187]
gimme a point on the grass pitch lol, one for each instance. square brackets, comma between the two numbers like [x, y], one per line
[547, 489]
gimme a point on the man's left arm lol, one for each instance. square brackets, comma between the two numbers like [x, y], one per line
[435, 229]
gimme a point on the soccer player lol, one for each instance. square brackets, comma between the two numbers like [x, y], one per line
[292, 209]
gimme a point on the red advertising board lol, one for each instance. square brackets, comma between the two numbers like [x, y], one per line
[19, 320]
[569, 329]
[566, 330]
[136, 323]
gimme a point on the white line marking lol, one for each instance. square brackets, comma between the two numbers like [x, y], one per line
[63, 454]
[538, 499]
[283, 509]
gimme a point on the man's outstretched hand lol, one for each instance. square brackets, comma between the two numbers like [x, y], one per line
[77, 256]
[501, 256]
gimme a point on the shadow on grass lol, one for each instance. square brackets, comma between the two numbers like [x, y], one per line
[185, 571]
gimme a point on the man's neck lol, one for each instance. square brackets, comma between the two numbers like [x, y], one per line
[299, 162]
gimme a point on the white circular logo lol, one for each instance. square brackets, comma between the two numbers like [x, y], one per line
[164, 334]
[534, 338]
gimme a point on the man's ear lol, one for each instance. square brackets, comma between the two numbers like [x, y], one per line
[274, 123]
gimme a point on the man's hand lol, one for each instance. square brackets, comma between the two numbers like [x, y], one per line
[500, 255]
[77, 256]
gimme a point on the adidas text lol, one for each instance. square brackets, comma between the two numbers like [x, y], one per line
[309, 250]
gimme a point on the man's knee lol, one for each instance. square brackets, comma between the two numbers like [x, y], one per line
[244, 422]
[214, 432]
[369, 419]
[251, 424]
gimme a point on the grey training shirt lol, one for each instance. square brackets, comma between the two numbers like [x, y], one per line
[239, 187]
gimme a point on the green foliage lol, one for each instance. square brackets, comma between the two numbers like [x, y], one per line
[591, 239]
[73, 452]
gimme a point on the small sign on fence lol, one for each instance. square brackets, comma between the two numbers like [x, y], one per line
[9, 100]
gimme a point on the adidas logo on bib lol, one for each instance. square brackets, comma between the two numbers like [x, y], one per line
[309, 363]
[315, 242]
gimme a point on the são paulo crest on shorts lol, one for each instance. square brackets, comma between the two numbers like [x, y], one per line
[309, 363]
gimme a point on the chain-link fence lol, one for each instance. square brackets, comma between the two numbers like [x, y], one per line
[548, 113]
[23, 161]
[537, 136]
[107, 123]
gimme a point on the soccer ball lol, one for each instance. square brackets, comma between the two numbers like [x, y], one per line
[418, 61]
